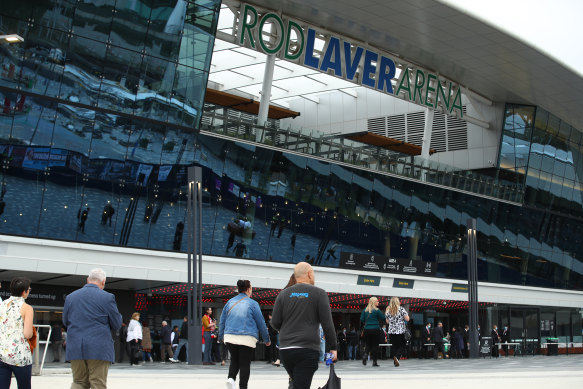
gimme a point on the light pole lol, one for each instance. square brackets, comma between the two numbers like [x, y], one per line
[473, 287]
[194, 286]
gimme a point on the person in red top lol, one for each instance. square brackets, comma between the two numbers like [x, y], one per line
[208, 326]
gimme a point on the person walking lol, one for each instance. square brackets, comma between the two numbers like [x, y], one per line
[146, 343]
[438, 340]
[182, 341]
[166, 342]
[297, 313]
[134, 339]
[496, 339]
[352, 340]
[56, 341]
[208, 326]
[370, 320]
[16, 317]
[397, 319]
[241, 323]
[90, 314]
[123, 345]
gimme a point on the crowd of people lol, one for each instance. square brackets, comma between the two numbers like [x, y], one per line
[297, 334]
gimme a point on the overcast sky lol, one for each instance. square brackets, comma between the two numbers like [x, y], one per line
[554, 27]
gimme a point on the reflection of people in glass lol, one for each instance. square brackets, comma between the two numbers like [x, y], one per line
[240, 249]
[82, 218]
[178, 236]
[281, 227]
[273, 226]
[332, 250]
[148, 213]
[231, 240]
[107, 214]
[293, 240]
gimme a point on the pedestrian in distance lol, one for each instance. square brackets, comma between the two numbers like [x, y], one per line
[371, 319]
[239, 328]
[56, 341]
[208, 326]
[146, 343]
[16, 317]
[134, 339]
[182, 341]
[397, 319]
[90, 315]
[297, 314]
[438, 340]
[166, 342]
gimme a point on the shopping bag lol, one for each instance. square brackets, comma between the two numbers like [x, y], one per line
[333, 380]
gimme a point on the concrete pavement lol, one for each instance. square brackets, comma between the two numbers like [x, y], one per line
[523, 372]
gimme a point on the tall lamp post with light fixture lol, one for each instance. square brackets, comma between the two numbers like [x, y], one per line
[473, 287]
[194, 286]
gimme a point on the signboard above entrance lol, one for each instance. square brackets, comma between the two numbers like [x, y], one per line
[380, 263]
[297, 42]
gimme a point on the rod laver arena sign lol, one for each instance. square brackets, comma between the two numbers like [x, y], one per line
[296, 42]
[381, 263]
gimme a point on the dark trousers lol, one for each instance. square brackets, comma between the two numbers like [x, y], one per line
[272, 351]
[300, 364]
[123, 350]
[240, 363]
[437, 348]
[135, 355]
[371, 337]
[21, 373]
[398, 344]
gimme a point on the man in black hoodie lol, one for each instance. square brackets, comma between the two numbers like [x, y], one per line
[182, 341]
[438, 340]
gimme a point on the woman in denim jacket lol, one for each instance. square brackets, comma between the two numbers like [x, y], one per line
[240, 324]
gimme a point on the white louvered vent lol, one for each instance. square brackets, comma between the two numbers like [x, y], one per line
[448, 133]
[377, 126]
[396, 128]
[457, 133]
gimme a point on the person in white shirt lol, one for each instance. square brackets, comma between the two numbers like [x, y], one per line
[134, 339]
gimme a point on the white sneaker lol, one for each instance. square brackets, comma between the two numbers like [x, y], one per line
[231, 384]
[173, 360]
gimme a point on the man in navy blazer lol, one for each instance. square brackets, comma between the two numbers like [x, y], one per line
[90, 314]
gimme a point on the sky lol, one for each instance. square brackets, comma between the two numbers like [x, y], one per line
[553, 27]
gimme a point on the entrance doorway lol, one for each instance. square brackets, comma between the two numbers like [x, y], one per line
[524, 324]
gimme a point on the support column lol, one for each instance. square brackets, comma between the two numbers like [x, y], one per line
[265, 96]
[472, 256]
[426, 142]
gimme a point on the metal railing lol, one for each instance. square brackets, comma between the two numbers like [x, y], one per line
[37, 369]
[230, 123]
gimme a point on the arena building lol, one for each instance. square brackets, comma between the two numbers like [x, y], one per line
[358, 136]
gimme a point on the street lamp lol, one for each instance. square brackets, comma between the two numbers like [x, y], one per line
[11, 38]
[473, 287]
[194, 286]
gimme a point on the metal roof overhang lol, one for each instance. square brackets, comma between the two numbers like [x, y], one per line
[399, 146]
[454, 44]
[245, 104]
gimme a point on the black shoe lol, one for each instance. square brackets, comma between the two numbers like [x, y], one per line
[375, 364]
[364, 361]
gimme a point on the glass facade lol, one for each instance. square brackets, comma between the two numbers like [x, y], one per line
[100, 104]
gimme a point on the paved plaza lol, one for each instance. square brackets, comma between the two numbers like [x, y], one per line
[520, 372]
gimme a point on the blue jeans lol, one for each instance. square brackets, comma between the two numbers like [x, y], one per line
[208, 347]
[182, 343]
[322, 350]
[22, 374]
[352, 352]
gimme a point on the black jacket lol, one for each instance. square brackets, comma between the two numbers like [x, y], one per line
[184, 330]
[165, 333]
[426, 334]
[438, 335]
[352, 338]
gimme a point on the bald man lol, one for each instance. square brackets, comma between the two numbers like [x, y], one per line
[297, 314]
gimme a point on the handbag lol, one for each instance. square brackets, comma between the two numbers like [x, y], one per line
[333, 380]
[32, 340]
[407, 334]
[362, 333]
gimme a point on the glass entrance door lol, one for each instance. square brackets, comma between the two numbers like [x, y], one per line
[524, 324]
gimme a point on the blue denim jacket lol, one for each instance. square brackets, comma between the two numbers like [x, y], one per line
[244, 319]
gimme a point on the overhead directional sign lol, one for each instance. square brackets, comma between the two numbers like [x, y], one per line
[380, 263]
[292, 40]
